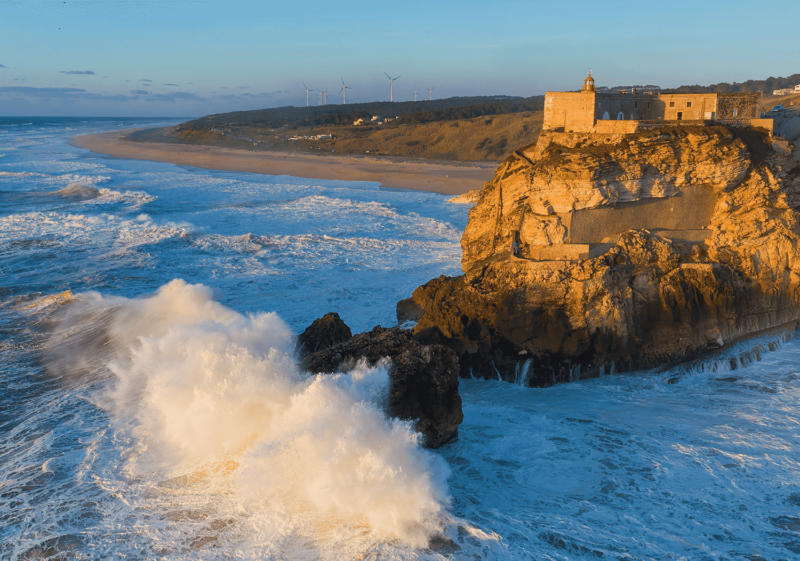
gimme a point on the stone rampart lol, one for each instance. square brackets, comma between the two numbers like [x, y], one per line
[616, 127]
[766, 124]
[570, 111]
[741, 106]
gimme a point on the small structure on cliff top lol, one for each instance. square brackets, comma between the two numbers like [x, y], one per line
[590, 110]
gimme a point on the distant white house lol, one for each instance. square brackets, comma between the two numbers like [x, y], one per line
[797, 88]
[786, 91]
[358, 122]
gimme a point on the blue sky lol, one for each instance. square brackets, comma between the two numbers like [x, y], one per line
[194, 57]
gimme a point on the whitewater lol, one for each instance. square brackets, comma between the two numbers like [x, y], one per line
[151, 406]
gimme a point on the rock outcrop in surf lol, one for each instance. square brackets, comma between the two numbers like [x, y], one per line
[632, 251]
[423, 379]
[323, 332]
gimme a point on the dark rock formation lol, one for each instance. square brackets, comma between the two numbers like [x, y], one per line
[423, 379]
[322, 333]
[650, 297]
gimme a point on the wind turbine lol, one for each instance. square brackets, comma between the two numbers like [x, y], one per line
[415, 94]
[319, 96]
[344, 91]
[325, 93]
[307, 90]
[430, 92]
[391, 86]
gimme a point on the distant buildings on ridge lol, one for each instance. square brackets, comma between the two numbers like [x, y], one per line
[787, 91]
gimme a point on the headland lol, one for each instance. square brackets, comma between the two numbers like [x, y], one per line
[628, 243]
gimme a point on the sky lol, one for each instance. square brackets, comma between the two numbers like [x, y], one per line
[188, 58]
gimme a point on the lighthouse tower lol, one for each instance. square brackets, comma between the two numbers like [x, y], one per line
[588, 84]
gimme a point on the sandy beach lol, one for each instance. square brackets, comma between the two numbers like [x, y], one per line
[437, 177]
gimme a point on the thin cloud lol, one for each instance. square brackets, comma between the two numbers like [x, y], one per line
[76, 72]
[175, 96]
[176, 85]
[246, 96]
[3, 66]
[139, 92]
[145, 80]
[77, 94]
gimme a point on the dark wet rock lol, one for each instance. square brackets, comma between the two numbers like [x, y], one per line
[323, 333]
[408, 310]
[423, 379]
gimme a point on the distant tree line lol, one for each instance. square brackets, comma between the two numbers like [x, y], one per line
[750, 86]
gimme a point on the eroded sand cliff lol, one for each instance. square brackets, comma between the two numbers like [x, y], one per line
[634, 251]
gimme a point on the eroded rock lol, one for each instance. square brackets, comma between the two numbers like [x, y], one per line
[322, 333]
[423, 379]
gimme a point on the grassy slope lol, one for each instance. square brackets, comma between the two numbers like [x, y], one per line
[446, 134]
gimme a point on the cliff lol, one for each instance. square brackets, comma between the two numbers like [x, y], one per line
[633, 251]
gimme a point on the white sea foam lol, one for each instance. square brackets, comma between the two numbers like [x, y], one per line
[134, 198]
[18, 174]
[112, 234]
[84, 179]
[215, 399]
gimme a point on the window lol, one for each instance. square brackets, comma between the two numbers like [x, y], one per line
[672, 104]
[680, 115]
[648, 105]
[735, 112]
[636, 105]
[688, 104]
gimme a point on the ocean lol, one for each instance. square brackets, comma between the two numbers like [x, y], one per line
[151, 406]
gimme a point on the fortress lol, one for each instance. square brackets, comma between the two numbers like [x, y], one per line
[628, 111]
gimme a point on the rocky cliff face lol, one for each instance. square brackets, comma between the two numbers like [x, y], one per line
[651, 297]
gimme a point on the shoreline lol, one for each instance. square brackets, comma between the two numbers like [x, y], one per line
[417, 175]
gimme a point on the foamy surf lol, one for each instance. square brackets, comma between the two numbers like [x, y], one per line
[210, 401]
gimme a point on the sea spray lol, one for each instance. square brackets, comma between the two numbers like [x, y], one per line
[213, 398]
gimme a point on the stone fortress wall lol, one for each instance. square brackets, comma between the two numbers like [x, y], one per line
[586, 110]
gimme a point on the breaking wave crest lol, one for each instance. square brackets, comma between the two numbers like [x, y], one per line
[78, 192]
[210, 400]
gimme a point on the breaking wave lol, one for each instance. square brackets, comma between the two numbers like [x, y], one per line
[78, 192]
[210, 400]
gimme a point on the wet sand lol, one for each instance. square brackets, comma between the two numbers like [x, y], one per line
[401, 173]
